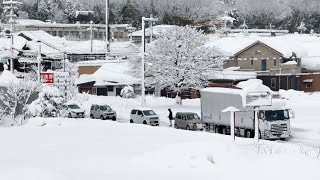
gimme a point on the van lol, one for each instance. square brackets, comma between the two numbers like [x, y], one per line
[144, 116]
[188, 121]
[102, 112]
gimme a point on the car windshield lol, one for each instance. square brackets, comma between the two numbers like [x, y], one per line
[277, 115]
[73, 106]
[105, 108]
[192, 116]
[149, 113]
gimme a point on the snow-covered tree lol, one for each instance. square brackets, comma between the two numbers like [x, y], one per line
[49, 103]
[302, 27]
[127, 92]
[179, 60]
[51, 10]
[15, 98]
[70, 10]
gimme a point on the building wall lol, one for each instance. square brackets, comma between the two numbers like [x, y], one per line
[315, 85]
[87, 69]
[286, 82]
[251, 59]
[78, 31]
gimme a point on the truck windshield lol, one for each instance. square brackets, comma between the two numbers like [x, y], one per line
[277, 115]
[149, 113]
[192, 116]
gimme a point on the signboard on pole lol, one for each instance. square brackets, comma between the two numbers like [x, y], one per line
[47, 77]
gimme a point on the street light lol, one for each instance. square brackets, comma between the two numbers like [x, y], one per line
[142, 59]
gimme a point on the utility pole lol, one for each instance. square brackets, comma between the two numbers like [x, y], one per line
[11, 5]
[143, 49]
[39, 64]
[91, 29]
[107, 30]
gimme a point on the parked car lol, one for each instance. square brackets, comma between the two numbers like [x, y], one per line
[103, 112]
[188, 121]
[144, 116]
[73, 111]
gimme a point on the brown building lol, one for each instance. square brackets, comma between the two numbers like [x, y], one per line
[310, 82]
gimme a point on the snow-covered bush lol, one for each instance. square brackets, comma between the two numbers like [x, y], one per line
[49, 103]
[127, 92]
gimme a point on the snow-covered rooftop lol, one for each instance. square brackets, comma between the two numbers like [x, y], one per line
[110, 73]
[305, 46]
[233, 74]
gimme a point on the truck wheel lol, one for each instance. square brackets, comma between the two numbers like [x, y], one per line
[114, 118]
[144, 122]
[131, 121]
[187, 128]
[175, 126]
[224, 131]
[102, 118]
[248, 134]
[91, 116]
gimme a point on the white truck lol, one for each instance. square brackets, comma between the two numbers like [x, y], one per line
[273, 116]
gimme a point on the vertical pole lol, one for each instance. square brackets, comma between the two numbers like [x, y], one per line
[256, 124]
[151, 28]
[107, 29]
[142, 65]
[232, 119]
[11, 53]
[91, 36]
[39, 64]
[279, 77]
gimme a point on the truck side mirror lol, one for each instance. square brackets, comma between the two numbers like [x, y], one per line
[291, 113]
[262, 116]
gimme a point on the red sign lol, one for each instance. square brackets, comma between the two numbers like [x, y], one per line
[47, 77]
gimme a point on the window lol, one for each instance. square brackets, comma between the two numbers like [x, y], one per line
[133, 111]
[273, 82]
[308, 85]
[149, 113]
[251, 62]
[92, 107]
[110, 88]
[274, 62]
[94, 91]
[178, 116]
[140, 113]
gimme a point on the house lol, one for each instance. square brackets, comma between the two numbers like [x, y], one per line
[282, 62]
[109, 79]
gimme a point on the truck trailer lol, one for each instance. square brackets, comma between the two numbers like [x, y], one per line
[273, 115]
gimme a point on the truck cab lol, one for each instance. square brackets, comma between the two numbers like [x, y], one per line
[275, 124]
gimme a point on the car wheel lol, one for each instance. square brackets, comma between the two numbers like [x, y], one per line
[224, 131]
[91, 116]
[114, 118]
[188, 128]
[102, 118]
[248, 134]
[69, 115]
[131, 121]
[145, 122]
[175, 126]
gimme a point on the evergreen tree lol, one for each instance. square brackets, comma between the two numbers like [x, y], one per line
[70, 10]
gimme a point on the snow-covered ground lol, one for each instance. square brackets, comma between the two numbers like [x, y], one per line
[82, 149]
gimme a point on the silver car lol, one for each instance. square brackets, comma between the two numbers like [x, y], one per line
[102, 112]
[188, 121]
[72, 111]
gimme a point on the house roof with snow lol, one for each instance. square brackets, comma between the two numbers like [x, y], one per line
[305, 46]
[110, 73]
[232, 74]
